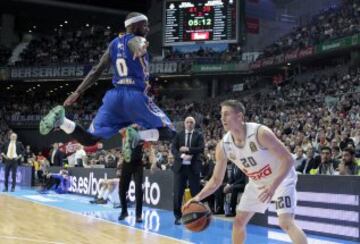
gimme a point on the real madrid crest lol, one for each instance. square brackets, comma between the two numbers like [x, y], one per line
[253, 147]
[232, 156]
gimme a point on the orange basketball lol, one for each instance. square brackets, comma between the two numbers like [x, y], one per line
[196, 217]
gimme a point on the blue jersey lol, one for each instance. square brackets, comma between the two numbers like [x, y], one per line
[127, 71]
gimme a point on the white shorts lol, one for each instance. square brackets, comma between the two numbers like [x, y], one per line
[284, 198]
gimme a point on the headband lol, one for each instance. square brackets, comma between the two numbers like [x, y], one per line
[135, 19]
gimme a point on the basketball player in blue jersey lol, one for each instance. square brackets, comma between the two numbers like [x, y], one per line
[124, 105]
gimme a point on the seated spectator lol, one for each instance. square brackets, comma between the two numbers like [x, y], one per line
[56, 156]
[327, 165]
[28, 153]
[81, 158]
[345, 140]
[336, 154]
[299, 156]
[216, 200]
[312, 161]
[207, 171]
[233, 188]
[348, 165]
[42, 166]
[110, 160]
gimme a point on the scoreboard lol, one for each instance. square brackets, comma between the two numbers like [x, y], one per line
[205, 21]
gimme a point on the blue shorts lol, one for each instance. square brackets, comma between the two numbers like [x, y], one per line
[123, 106]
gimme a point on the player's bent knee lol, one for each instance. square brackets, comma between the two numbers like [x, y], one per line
[286, 223]
[240, 222]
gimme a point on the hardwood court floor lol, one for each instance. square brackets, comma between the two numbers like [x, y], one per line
[28, 222]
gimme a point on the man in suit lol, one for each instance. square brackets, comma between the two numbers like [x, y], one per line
[187, 147]
[56, 156]
[235, 185]
[12, 152]
[312, 161]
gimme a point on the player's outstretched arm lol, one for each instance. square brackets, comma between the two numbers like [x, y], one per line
[90, 78]
[268, 139]
[216, 178]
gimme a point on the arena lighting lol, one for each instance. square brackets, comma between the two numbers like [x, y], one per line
[288, 64]
[30, 31]
[34, 26]
[38, 85]
[61, 25]
[66, 22]
[108, 27]
[87, 25]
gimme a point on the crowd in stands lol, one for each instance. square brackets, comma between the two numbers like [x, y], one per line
[4, 128]
[305, 114]
[84, 46]
[332, 23]
[206, 55]
[17, 108]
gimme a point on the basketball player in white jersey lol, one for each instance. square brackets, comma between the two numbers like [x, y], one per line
[270, 167]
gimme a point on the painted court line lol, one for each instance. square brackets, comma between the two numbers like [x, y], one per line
[29, 239]
[104, 220]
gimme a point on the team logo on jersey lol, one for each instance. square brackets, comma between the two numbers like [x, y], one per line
[253, 147]
[260, 174]
[232, 157]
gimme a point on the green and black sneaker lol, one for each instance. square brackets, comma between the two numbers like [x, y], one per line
[130, 143]
[52, 120]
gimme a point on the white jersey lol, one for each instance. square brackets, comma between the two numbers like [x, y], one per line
[256, 162]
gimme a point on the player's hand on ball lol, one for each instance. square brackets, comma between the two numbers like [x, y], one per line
[71, 98]
[186, 205]
[266, 193]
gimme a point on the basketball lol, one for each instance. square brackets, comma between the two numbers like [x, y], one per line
[196, 217]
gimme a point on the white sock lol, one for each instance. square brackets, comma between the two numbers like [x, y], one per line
[68, 126]
[106, 194]
[149, 135]
[101, 192]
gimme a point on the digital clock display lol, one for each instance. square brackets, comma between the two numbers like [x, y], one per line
[189, 22]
